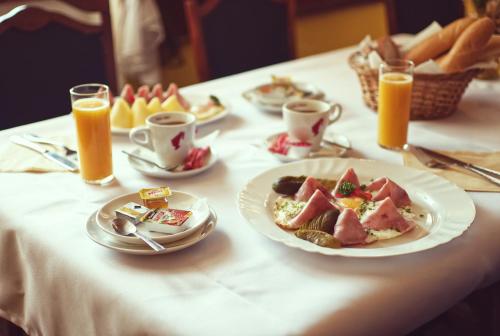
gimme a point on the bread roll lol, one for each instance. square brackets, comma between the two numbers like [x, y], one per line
[469, 46]
[438, 43]
[387, 49]
[492, 49]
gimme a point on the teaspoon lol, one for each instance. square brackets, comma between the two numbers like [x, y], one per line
[125, 228]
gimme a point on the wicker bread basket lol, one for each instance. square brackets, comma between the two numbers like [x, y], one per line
[434, 95]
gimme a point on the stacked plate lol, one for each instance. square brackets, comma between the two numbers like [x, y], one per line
[271, 97]
[200, 224]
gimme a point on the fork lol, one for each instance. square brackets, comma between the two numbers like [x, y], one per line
[41, 140]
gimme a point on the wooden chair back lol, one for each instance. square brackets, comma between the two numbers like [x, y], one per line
[46, 52]
[231, 36]
[409, 16]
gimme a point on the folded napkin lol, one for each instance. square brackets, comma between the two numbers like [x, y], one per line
[15, 158]
[461, 177]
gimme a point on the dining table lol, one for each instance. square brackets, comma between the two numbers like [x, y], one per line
[54, 280]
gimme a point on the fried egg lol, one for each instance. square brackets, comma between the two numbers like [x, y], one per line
[285, 208]
[351, 202]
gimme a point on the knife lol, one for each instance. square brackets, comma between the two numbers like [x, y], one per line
[425, 156]
[51, 155]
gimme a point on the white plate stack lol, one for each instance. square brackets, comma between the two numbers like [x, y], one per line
[201, 223]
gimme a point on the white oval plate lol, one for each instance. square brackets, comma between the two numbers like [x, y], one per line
[102, 238]
[178, 200]
[450, 211]
[326, 150]
[153, 171]
[193, 99]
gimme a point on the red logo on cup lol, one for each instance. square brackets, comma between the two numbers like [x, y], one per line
[315, 128]
[176, 140]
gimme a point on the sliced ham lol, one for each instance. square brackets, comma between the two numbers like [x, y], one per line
[348, 229]
[317, 204]
[388, 188]
[386, 216]
[349, 176]
[308, 188]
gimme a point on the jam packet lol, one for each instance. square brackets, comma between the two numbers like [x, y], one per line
[165, 220]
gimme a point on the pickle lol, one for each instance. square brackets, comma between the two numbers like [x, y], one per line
[288, 185]
[324, 222]
[318, 237]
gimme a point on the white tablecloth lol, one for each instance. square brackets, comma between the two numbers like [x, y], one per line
[55, 281]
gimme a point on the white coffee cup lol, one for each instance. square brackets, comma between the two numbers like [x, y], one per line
[169, 134]
[307, 119]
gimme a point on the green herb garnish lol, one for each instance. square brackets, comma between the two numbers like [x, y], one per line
[346, 188]
[215, 100]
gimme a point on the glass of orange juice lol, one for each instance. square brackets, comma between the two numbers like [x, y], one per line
[394, 100]
[90, 105]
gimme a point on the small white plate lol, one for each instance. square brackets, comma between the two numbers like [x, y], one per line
[178, 200]
[193, 99]
[274, 105]
[326, 150]
[102, 238]
[153, 171]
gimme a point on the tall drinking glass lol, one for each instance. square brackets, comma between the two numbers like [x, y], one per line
[394, 100]
[90, 104]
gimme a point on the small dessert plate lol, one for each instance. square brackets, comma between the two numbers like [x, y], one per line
[104, 239]
[327, 150]
[271, 97]
[154, 171]
[178, 200]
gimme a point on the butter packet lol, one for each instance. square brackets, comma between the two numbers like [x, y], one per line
[131, 211]
[155, 197]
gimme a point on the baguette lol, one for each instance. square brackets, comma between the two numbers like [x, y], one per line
[492, 49]
[469, 46]
[439, 42]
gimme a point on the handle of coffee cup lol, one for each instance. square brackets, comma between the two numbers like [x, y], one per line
[142, 136]
[335, 113]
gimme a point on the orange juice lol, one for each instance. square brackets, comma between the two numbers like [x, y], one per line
[394, 109]
[94, 139]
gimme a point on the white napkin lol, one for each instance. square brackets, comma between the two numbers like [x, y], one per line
[16, 159]
[374, 59]
[433, 28]
[430, 67]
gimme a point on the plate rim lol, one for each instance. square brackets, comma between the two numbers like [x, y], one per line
[344, 252]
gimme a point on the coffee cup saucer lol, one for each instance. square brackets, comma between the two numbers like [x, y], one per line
[326, 150]
[154, 171]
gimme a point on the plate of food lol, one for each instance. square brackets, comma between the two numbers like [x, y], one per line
[270, 97]
[355, 208]
[180, 214]
[131, 108]
[102, 238]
